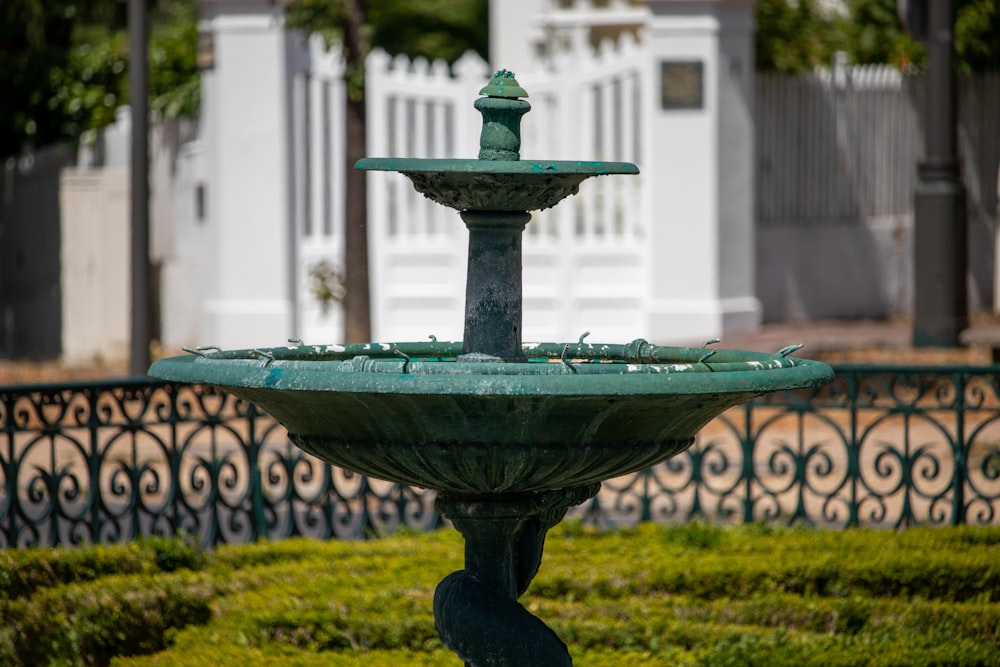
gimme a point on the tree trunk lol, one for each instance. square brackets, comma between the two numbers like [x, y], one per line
[357, 297]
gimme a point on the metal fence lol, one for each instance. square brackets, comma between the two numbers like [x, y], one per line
[107, 462]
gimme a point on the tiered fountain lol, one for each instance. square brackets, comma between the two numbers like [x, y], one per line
[509, 435]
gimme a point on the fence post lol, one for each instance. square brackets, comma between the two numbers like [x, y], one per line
[853, 449]
[960, 451]
[255, 491]
[748, 442]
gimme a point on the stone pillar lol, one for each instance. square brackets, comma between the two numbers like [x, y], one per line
[699, 165]
[247, 296]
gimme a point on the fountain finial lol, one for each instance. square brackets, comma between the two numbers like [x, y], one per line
[502, 110]
[503, 84]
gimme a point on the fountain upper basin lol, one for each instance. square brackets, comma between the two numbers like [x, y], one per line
[475, 428]
[496, 185]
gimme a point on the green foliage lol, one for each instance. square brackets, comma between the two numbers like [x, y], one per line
[174, 79]
[695, 534]
[430, 29]
[34, 36]
[977, 35]
[875, 35]
[323, 17]
[84, 606]
[174, 553]
[86, 92]
[64, 67]
[796, 36]
[692, 594]
[326, 284]
[792, 36]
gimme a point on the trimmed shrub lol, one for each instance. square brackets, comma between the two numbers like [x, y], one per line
[23, 571]
[88, 624]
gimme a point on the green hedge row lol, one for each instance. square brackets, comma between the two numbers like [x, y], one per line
[952, 565]
[85, 606]
[687, 595]
[89, 624]
[23, 571]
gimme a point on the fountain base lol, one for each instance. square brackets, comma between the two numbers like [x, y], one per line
[476, 612]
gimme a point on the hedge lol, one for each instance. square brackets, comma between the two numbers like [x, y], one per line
[85, 606]
[23, 571]
[689, 595]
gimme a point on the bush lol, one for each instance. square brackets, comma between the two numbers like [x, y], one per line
[23, 571]
[88, 624]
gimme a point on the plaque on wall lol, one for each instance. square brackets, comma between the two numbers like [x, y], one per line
[682, 84]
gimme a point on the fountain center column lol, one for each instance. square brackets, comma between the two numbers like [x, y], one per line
[493, 288]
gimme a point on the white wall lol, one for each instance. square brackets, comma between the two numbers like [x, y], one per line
[184, 253]
[512, 27]
[95, 265]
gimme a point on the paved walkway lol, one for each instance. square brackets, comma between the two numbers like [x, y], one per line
[825, 335]
[866, 341]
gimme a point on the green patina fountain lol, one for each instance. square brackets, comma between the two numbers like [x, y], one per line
[509, 435]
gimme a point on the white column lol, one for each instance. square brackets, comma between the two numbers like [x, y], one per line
[247, 298]
[699, 166]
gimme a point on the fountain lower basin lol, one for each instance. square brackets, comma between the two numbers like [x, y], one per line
[417, 414]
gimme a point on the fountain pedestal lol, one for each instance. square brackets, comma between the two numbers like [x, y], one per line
[476, 612]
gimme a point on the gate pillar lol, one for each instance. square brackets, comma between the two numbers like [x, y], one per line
[700, 161]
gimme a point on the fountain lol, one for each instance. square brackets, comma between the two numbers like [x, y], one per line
[509, 435]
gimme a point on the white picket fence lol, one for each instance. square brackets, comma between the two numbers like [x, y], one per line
[584, 260]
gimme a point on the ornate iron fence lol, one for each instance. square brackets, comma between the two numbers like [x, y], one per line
[106, 462]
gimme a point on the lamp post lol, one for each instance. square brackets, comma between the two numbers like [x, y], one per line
[138, 78]
[940, 253]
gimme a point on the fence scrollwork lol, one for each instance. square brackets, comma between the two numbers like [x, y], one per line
[106, 462]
